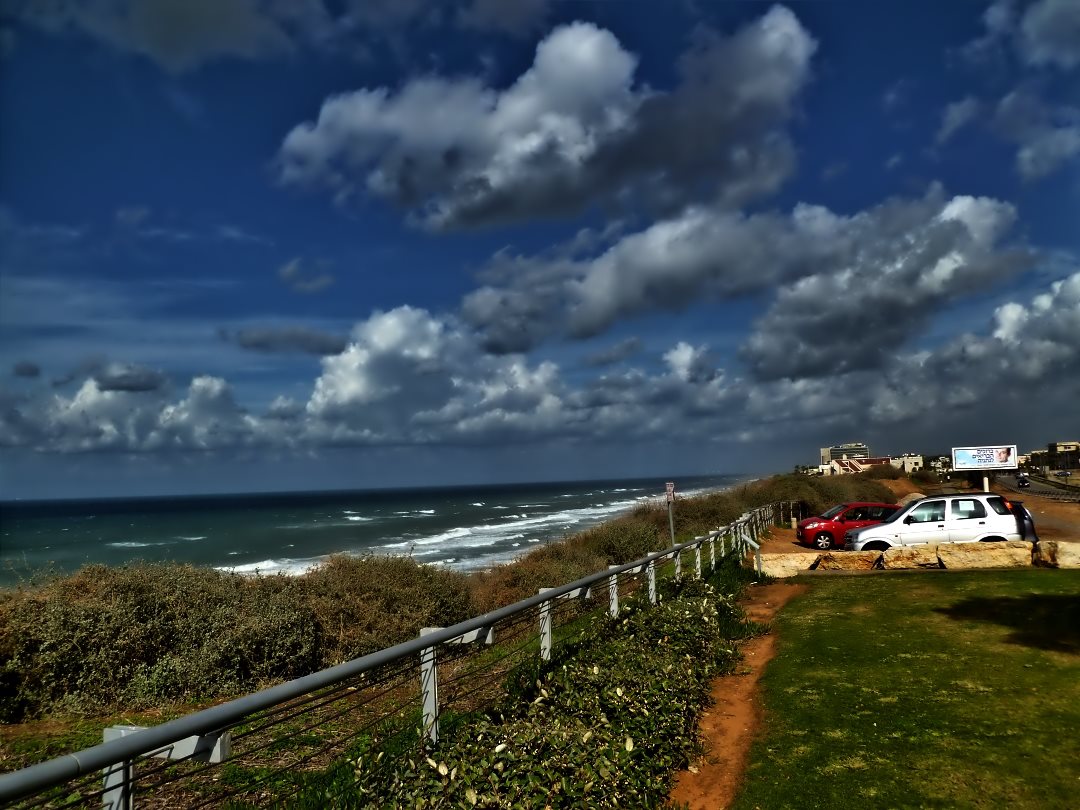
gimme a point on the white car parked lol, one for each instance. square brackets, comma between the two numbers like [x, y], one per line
[942, 519]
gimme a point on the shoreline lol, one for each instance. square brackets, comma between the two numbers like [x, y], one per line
[475, 530]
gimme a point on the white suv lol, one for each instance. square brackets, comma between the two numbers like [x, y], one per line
[942, 519]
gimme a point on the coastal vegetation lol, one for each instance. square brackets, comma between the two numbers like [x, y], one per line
[605, 726]
[154, 635]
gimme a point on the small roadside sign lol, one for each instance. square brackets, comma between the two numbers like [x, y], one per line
[670, 491]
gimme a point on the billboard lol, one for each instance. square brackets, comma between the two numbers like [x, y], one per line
[997, 457]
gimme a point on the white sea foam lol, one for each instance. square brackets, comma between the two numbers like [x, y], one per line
[286, 566]
[358, 519]
[137, 544]
[476, 504]
[192, 538]
[507, 534]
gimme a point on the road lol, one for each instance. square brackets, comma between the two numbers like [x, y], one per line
[1039, 488]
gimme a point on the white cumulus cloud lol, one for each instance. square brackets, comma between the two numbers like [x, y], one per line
[572, 130]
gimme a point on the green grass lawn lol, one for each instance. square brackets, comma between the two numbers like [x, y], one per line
[924, 690]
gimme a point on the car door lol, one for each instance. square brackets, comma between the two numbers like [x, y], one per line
[924, 524]
[855, 518]
[967, 520]
[876, 514]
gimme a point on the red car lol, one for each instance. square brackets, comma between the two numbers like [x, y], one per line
[828, 530]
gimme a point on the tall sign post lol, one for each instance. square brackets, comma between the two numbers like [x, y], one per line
[670, 507]
[998, 457]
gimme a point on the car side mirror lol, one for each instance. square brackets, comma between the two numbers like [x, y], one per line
[909, 519]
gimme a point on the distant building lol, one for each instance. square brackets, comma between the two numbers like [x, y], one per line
[1063, 455]
[850, 466]
[941, 463]
[842, 451]
[909, 462]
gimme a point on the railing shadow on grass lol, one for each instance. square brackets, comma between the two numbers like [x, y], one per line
[1044, 621]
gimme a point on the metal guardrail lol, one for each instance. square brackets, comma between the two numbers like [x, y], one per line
[205, 736]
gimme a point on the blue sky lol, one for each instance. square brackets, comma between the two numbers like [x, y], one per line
[257, 245]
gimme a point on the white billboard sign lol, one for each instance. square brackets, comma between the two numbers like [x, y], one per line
[997, 457]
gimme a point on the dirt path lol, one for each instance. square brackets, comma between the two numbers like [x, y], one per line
[730, 725]
[1054, 520]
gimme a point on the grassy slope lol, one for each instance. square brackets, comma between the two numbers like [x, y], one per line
[924, 690]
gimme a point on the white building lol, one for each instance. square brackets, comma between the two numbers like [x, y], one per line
[909, 462]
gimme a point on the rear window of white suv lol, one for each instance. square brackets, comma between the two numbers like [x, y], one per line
[967, 508]
[997, 503]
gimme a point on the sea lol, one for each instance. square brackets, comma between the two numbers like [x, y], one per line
[464, 528]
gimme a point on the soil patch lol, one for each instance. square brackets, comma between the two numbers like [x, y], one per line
[900, 486]
[782, 541]
[731, 723]
[1054, 520]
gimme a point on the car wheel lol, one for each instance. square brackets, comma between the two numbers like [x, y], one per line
[993, 539]
[823, 541]
[876, 546]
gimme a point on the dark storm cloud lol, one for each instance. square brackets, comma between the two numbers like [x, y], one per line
[179, 35]
[26, 369]
[570, 132]
[118, 377]
[622, 350]
[851, 288]
[287, 339]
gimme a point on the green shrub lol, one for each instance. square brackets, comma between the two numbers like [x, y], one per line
[148, 634]
[363, 605]
[605, 727]
[929, 477]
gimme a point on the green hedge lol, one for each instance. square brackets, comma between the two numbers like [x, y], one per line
[605, 726]
[149, 634]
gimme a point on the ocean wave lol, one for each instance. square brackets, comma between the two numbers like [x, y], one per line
[359, 519]
[505, 532]
[289, 567]
[137, 544]
[192, 538]
[476, 504]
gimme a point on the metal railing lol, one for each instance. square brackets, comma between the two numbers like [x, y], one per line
[363, 700]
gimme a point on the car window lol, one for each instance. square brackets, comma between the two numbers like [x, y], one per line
[967, 508]
[928, 512]
[997, 503]
[894, 515]
[858, 513]
[836, 510]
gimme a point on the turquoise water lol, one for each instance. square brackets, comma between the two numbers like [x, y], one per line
[464, 528]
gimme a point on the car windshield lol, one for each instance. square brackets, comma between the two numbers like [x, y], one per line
[894, 516]
[836, 510]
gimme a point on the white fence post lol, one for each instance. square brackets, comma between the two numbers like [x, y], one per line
[712, 553]
[120, 778]
[650, 573]
[429, 686]
[678, 565]
[613, 593]
[697, 559]
[545, 627]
